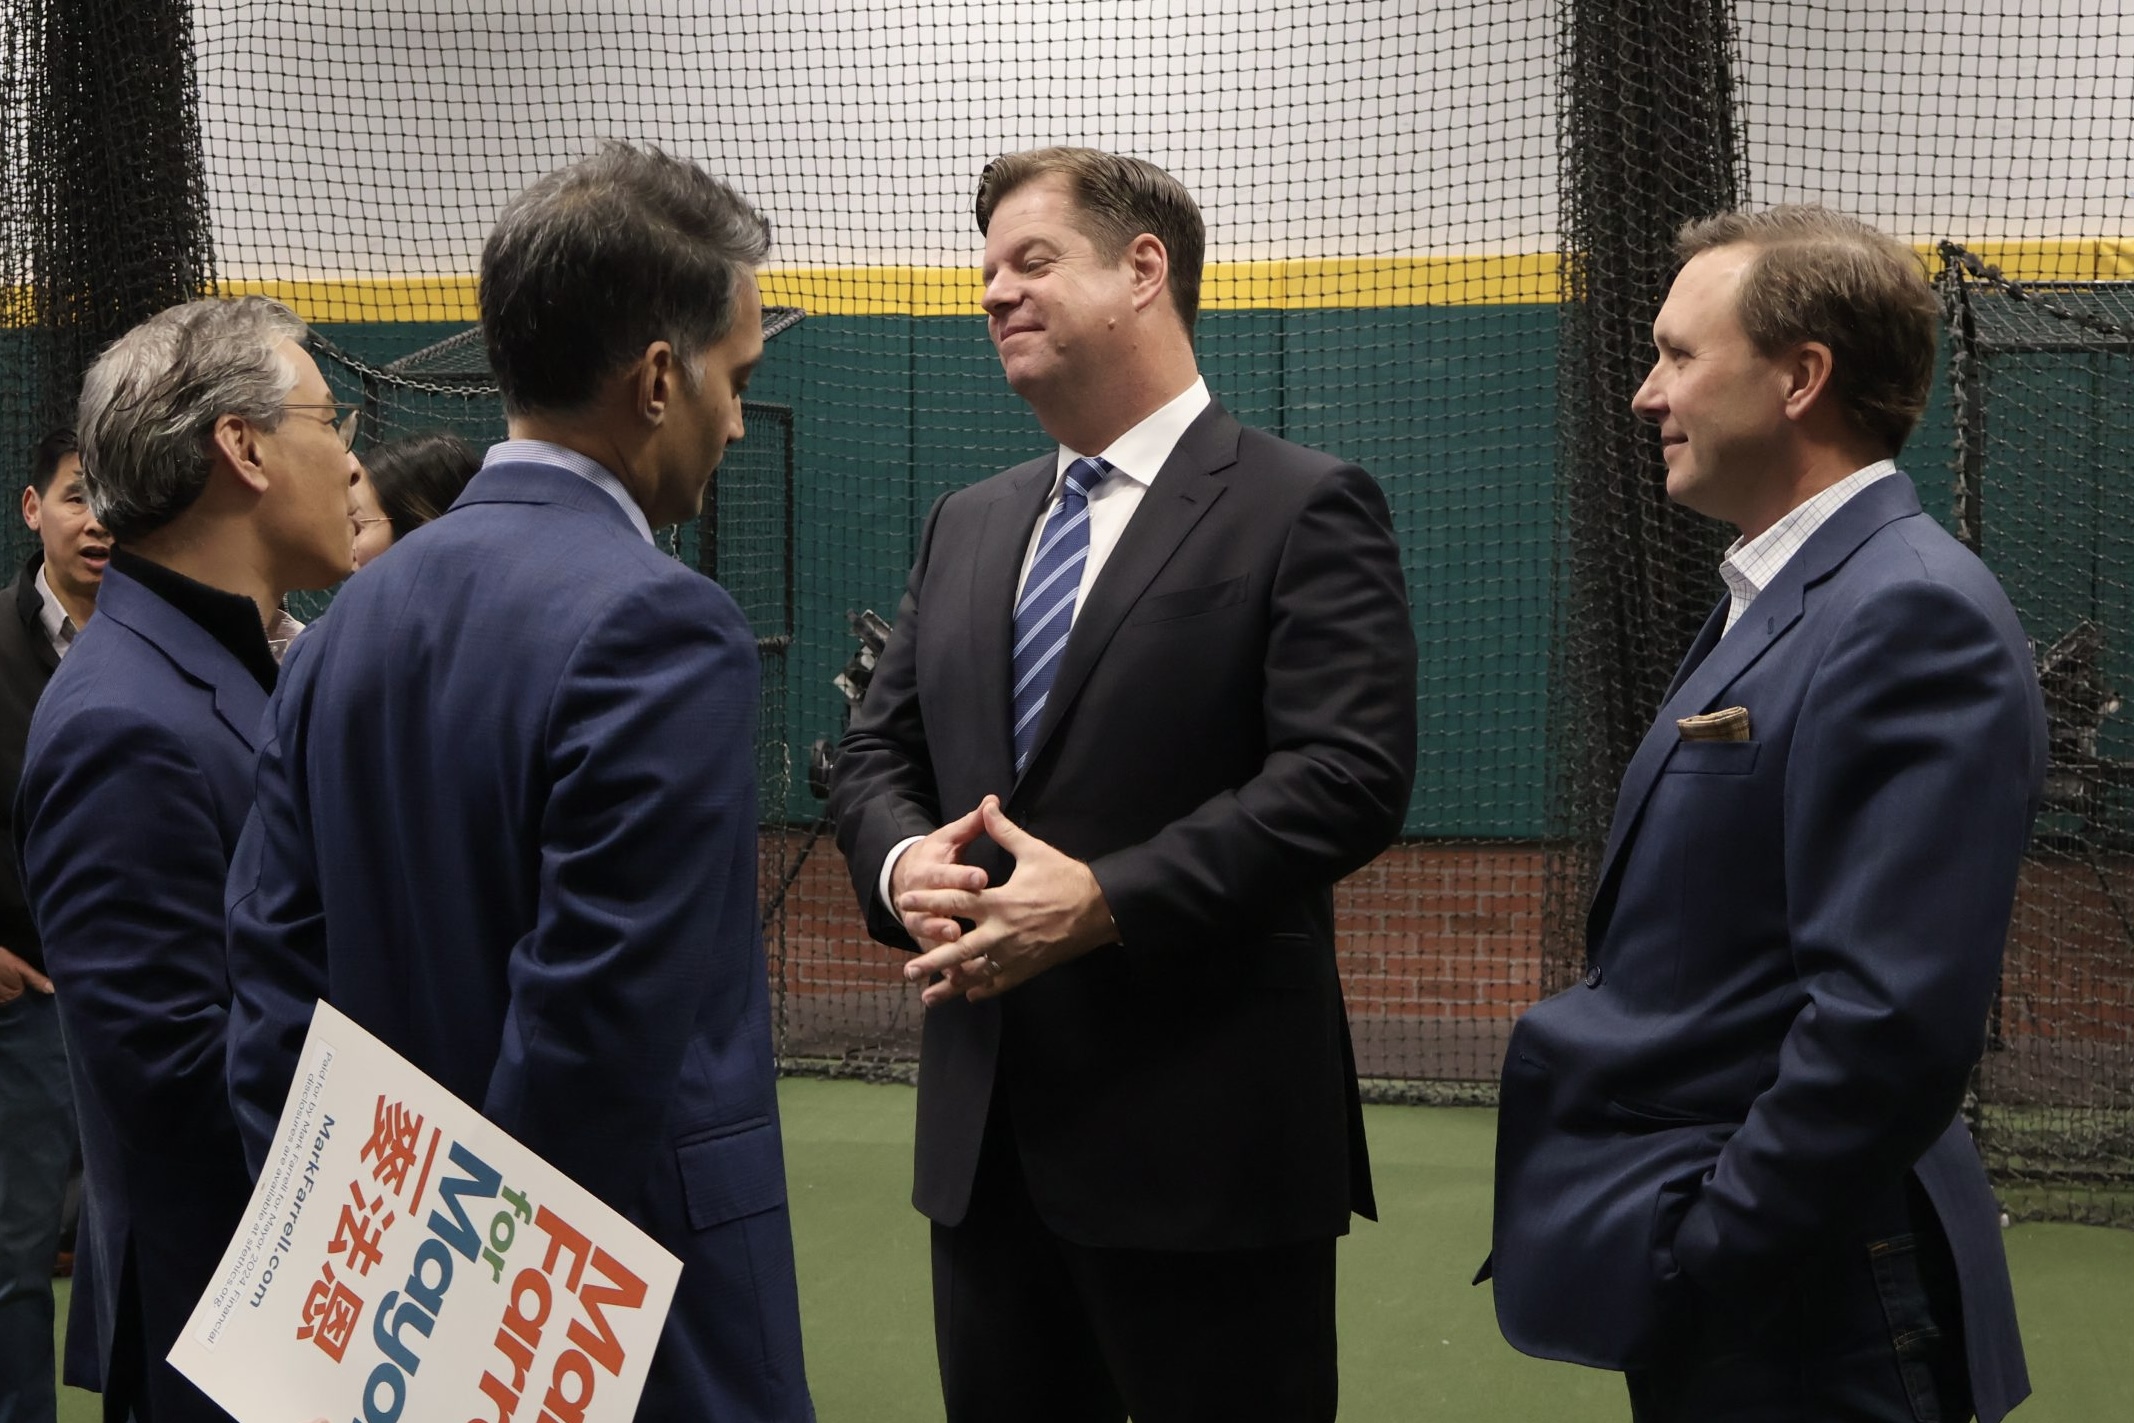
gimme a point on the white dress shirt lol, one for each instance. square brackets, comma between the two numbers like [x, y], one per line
[1136, 458]
[52, 616]
[1751, 564]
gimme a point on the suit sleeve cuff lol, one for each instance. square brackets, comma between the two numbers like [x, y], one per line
[1695, 1249]
[889, 867]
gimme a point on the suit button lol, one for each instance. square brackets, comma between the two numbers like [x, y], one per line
[1593, 975]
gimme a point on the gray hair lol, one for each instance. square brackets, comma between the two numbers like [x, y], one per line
[596, 261]
[150, 403]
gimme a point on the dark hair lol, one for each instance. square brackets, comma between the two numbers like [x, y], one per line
[1820, 276]
[417, 477]
[596, 261]
[1117, 199]
[44, 459]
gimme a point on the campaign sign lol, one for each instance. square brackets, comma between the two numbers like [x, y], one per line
[403, 1258]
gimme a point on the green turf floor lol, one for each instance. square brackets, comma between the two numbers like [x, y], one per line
[1417, 1343]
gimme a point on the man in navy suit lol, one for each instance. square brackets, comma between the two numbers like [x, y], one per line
[507, 814]
[212, 454]
[1731, 1162]
[1148, 697]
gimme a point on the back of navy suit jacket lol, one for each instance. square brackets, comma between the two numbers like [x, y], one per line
[135, 786]
[507, 822]
[1793, 948]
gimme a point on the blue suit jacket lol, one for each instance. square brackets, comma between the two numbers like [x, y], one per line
[134, 789]
[507, 821]
[1793, 948]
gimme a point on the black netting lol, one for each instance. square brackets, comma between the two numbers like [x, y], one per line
[2042, 378]
[1438, 233]
[103, 198]
[1650, 141]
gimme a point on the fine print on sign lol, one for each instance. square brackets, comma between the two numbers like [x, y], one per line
[403, 1258]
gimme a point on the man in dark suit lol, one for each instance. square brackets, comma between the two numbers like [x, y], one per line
[52, 598]
[1730, 1163]
[507, 812]
[211, 453]
[1139, 1132]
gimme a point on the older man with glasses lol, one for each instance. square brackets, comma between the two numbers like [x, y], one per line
[215, 454]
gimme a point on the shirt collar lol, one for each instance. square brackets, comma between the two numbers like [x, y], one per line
[1751, 564]
[590, 470]
[52, 614]
[281, 631]
[1141, 452]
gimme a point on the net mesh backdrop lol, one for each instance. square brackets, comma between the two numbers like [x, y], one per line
[1438, 234]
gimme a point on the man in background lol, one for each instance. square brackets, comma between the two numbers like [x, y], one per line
[1148, 697]
[212, 453]
[1731, 1162]
[507, 812]
[51, 600]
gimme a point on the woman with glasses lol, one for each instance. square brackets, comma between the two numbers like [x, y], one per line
[405, 483]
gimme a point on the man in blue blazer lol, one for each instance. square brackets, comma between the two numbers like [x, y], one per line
[507, 815]
[1730, 1162]
[211, 453]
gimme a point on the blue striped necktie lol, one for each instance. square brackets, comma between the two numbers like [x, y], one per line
[1045, 613]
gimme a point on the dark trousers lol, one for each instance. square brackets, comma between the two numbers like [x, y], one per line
[1870, 1331]
[1032, 1328]
[36, 1150]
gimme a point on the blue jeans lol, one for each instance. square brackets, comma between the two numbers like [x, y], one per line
[36, 1150]
[1867, 1330]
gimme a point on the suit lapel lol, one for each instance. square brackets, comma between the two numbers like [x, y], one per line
[29, 607]
[239, 701]
[1180, 495]
[1700, 647]
[1710, 669]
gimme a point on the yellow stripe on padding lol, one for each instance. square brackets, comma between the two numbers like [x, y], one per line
[1294, 284]
[1286, 285]
[335, 300]
[2076, 259]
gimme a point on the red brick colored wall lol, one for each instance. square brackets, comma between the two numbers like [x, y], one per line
[2070, 967]
[1440, 951]
[1426, 931]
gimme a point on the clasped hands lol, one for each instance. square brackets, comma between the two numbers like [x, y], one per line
[1048, 911]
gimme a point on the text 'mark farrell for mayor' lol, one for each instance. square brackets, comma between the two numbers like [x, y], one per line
[403, 1258]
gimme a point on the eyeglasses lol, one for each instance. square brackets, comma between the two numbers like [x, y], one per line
[342, 421]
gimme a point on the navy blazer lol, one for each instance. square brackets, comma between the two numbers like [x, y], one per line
[507, 821]
[1793, 949]
[1231, 730]
[134, 788]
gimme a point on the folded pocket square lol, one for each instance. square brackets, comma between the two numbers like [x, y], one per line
[1728, 724]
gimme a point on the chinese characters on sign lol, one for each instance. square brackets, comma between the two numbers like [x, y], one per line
[455, 1274]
